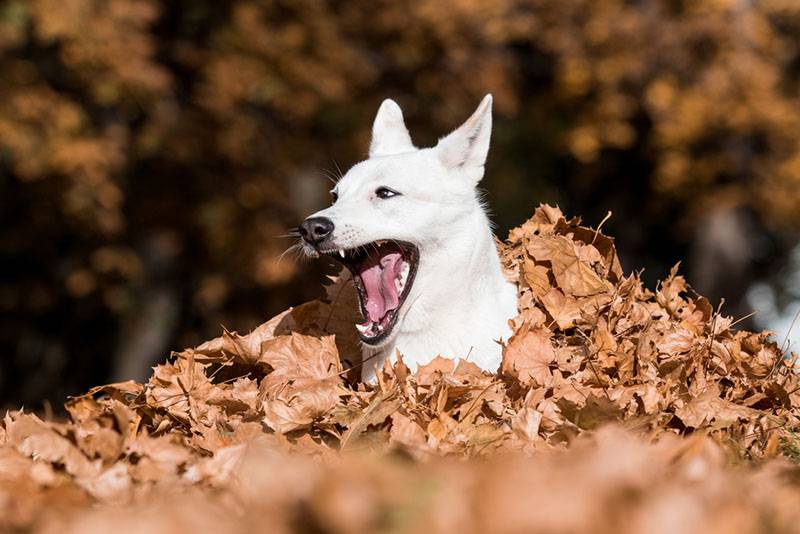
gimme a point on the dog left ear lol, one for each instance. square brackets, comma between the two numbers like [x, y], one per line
[468, 146]
[389, 132]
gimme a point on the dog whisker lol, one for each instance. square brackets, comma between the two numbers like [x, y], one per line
[340, 174]
[333, 176]
[294, 248]
[291, 232]
[330, 176]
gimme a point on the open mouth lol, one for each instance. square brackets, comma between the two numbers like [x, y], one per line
[383, 273]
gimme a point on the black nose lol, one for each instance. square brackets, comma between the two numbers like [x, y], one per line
[315, 229]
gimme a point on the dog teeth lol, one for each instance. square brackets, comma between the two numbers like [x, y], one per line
[341, 253]
[364, 328]
[402, 277]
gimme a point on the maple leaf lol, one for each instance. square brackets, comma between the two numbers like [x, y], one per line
[574, 276]
[305, 382]
[526, 423]
[569, 311]
[709, 406]
[536, 276]
[407, 432]
[593, 412]
[33, 438]
[529, 356]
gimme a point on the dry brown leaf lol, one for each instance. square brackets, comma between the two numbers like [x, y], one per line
[709, 406]
[305, 382]
[574, 276]
[529, 356]
[33, 438]
[407, 432]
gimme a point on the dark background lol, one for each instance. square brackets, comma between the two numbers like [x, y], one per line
[151, 152]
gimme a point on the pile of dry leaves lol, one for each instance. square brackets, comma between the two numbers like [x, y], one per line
[616, 408]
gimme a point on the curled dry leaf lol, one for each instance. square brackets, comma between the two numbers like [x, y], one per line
[305, 383]
[528, 358]
[569, 265]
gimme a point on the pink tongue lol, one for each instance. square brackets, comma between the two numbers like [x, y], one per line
[378, 278]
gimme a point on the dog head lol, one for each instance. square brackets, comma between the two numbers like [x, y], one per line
[398, 206]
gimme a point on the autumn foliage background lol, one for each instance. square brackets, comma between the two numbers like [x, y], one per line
[152, 154]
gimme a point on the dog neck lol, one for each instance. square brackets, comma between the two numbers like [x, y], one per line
[457, 273]
[458, 293]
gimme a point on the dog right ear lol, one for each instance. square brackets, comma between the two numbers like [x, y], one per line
[389, 132]
[467, 147]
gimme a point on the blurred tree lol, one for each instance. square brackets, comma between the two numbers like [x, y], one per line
[151, 152]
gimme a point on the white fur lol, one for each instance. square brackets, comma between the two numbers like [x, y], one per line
[460, 303]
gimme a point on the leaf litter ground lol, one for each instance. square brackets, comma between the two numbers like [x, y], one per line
[616, 409]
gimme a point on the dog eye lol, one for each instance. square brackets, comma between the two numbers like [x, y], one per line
[334, 196]
[385, 192]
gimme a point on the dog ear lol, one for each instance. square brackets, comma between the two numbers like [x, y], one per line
[468, 146]
[389, 133]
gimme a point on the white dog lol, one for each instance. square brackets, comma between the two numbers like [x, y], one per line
[410, 226]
